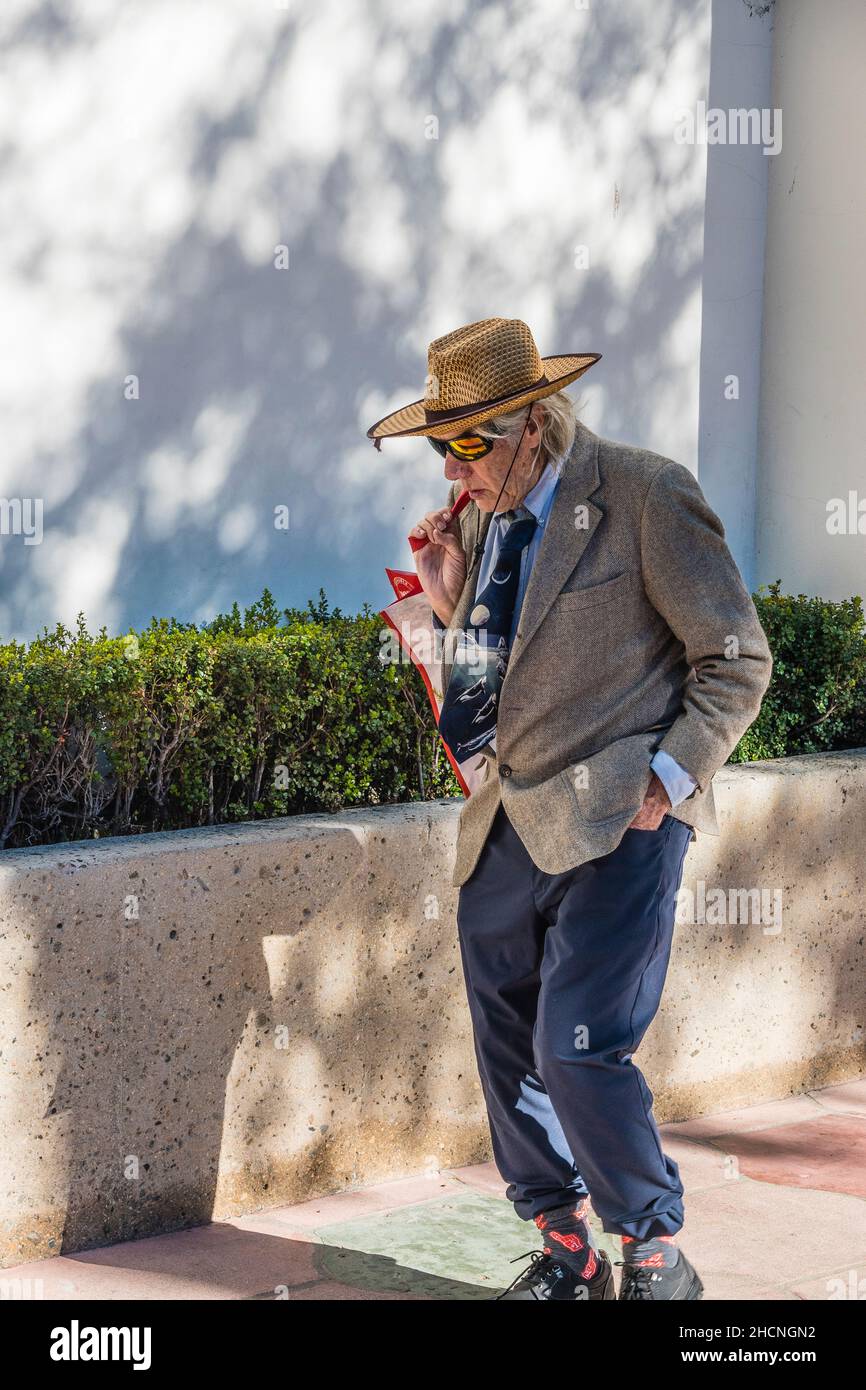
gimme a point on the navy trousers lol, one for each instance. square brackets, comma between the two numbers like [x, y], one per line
[564, 973]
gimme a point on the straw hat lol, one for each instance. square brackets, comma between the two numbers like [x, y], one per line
[479, 371]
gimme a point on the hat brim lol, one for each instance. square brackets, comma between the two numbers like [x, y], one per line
[412, 419]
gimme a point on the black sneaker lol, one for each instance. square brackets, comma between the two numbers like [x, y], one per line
[681, 1281]
[549, 1278]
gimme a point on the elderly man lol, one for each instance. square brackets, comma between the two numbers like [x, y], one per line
[604, 657]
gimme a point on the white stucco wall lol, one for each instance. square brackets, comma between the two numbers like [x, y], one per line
[155, 155]
[813, 421]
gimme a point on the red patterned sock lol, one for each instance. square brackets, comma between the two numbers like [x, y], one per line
[568, 1238]
[658, 1252]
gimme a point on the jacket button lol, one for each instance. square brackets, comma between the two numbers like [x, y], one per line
[504, 770]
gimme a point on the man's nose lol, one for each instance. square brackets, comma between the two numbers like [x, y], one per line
[456, 469]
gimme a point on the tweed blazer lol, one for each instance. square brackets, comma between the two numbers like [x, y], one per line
[636, 633]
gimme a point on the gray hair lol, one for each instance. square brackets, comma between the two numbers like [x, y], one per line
[558, 424]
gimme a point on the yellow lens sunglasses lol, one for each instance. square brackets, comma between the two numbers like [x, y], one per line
[468, 447]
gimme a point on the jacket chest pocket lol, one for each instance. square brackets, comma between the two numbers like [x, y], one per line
[594, 595]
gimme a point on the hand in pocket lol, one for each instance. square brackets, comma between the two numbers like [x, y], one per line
[656, 804]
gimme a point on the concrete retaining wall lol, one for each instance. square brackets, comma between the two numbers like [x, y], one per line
[203, 1023]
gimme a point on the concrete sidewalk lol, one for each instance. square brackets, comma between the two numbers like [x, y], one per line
[774, 1209]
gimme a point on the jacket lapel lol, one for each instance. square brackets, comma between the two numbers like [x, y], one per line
[570, 526]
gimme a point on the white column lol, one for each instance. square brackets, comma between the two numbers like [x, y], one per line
[812, 421]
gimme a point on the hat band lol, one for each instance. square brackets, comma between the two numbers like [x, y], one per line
[435, 417]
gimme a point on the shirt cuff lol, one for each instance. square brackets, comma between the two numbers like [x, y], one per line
[676, 781]
[437, 621]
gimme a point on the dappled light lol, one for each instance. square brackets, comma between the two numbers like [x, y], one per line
[183, 144]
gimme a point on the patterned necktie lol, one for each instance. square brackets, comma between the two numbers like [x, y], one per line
[467, 719]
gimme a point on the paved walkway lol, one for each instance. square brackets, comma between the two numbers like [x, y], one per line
[761, 1184]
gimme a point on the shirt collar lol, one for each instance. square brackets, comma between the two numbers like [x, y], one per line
[537, 498]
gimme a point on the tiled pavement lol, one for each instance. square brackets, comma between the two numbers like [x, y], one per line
[775, 1209]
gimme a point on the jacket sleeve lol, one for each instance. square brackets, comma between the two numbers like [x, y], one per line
[691, 579]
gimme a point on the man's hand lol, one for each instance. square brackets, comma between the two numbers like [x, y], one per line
[656, 805]
[441, 565]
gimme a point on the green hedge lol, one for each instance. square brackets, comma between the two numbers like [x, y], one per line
[817, 696]
[276, 712]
